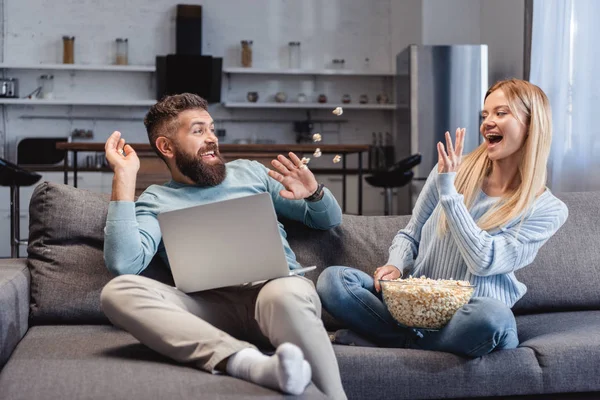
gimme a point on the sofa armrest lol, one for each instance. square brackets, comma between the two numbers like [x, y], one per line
[14, 304]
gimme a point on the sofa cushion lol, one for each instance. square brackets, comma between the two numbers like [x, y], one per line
[565, 275]
[360, 242]
[14, 304]
[567, 346]
[66, 239]
[101, 362]
[380, 373]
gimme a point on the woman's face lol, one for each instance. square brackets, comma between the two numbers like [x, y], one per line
[502, 131]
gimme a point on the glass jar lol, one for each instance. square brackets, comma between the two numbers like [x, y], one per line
[246, 53]
[252, 97]
[294, 49]
[122, 50]
[280, 97]
[302, 98]
[382, 98]
[46, 85]
[68, 49]
[346, 99]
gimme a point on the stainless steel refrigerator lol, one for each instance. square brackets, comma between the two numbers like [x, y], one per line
[438, 89]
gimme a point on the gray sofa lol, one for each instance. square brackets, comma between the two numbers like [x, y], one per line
[55, 343]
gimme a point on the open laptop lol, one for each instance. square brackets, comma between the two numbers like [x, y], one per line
[226, 243]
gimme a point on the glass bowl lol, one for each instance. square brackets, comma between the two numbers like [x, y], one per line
[425, 303]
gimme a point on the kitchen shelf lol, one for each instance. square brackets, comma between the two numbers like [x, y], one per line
[82, 67]
[330, 72]
[314, 106]
[66, 102]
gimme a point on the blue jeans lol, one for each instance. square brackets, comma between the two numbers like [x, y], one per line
[478, 328]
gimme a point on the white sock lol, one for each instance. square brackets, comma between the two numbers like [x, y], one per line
[286, 370]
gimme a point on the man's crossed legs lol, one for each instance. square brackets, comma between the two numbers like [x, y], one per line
[217, 330]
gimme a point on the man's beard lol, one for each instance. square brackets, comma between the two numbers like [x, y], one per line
[201, 173]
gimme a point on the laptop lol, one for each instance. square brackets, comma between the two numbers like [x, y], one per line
[226, 243]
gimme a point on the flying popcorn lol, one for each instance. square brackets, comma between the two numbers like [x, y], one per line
[305, 160]
[317, 137]
[317, 153]
[338, 111]
[337, 159]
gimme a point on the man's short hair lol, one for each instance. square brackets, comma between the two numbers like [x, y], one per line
[161, 120]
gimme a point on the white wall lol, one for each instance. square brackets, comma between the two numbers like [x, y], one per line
[451, 22]
[406, 25]
[499, 24]
[503, 30]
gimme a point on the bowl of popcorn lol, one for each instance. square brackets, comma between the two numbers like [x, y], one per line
[425, 303]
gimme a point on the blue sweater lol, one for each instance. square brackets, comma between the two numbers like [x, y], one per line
[132, 233]
[486, 259]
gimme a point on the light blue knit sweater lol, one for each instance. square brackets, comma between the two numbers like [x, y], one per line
[132, 234]
[486, 259]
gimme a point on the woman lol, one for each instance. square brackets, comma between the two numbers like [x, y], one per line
[478, 219]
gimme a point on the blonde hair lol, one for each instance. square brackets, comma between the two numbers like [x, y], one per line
[527, 100]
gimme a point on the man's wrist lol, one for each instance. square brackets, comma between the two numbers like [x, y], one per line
[123, 186]
[125, 173]
[317, 195]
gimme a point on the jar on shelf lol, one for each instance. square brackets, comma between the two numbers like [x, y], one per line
[252, 97]
[346, 99]
[122, 51]
[302, 98]
[322, 98]
[382, 98]
[294, 54]
[363, 99]
[280, 97]
[46, 86]
[246, 53]
[68, 49]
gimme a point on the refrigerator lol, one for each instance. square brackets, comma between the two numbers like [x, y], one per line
[438, 89]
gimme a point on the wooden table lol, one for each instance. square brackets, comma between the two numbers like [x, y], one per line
[251, 151]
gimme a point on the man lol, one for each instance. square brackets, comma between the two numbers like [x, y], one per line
[214, 329]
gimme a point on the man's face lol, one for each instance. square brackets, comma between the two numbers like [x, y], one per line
[196, 149]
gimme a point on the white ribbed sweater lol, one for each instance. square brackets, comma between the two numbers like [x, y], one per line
[486, 259]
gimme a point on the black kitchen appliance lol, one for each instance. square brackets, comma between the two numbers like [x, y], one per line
[188, 71]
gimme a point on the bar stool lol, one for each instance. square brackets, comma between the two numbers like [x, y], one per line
[398, 175]
[15, 177]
